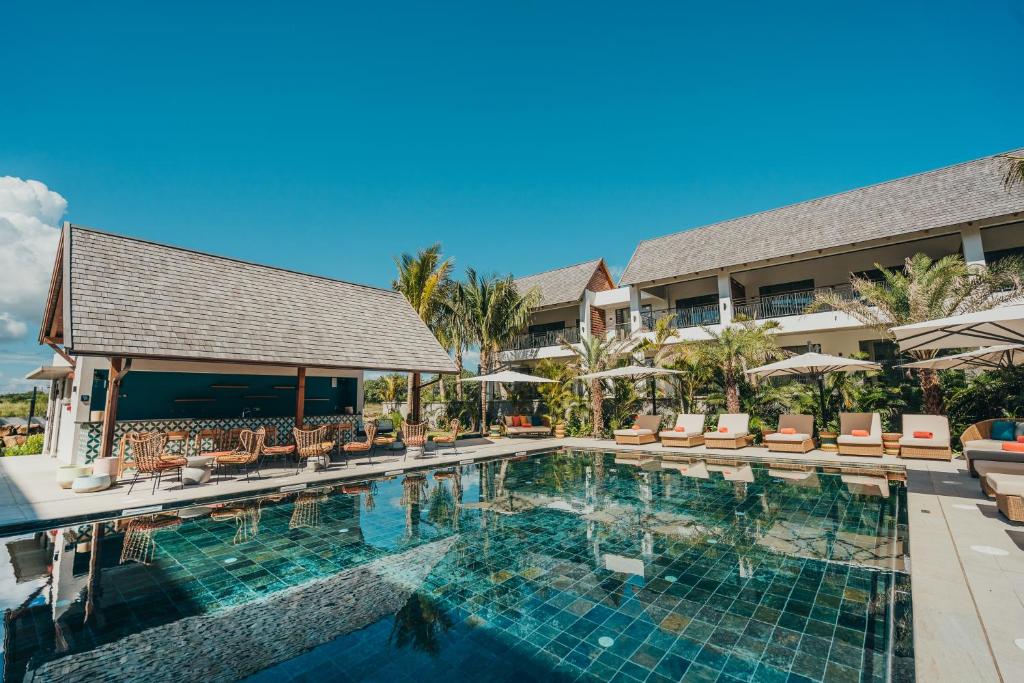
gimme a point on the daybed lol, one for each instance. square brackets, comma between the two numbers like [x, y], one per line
[793, 436]
[688, 432]
[860, 434]
[644, 430]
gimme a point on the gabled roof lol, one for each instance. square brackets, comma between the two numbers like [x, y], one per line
[128, 297]
[562, 285]
[943, 198]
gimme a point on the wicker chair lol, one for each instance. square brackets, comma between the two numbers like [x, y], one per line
[366, 446]
[209, 441]
[249, 452]
[978, 444]
[415, 435]
[451, 437]
[311, 443]
[177, 443]
[149, 456]
[271, 449]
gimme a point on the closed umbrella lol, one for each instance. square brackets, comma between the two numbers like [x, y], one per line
[987, 357]
[1003, 325]
[816, 365]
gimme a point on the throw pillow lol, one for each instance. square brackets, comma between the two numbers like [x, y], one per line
[679, 429]
[535, 421]
[1013, 446]
[723, 430]
[1004, 430]
[787, 430]
[923, 435]
[858, 432]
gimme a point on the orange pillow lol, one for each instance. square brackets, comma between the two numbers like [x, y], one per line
[1013, 446]
[923, 435]
[787, 430]
[1020, 439]
[679, 429]
[723, 430]
[636, 425]
[858, 432]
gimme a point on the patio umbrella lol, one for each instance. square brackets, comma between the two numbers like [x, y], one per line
[507, 376]
[635, 372]
[816, 365]
[1003, 325]
[989, 357]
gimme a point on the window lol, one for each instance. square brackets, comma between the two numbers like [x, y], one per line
[880, 350]
[993, 256]
[803, 348]
[541, 328]
[786, 288]
[697, 310]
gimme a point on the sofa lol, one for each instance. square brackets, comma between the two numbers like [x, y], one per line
[535, 426]
[980, 443]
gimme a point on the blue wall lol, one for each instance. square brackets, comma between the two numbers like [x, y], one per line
[151, 395]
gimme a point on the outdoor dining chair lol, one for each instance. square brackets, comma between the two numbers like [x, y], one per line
[451, 437]
[150, 457]
[247, 455]
[415, 435]
[353, 447]
[312, 443]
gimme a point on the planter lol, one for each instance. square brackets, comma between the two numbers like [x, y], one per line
[559, 431]
[828, 441]
[67, 474]
[891, 443]
[106, 466]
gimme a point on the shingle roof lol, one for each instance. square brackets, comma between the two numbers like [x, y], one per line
[937, 199]
[130, 297]
[562, 285]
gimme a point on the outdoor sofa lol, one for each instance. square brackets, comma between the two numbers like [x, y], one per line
[793, 436]
[925, 436]
[688, 432]
[980, 443]
[732, 432]
[534, 426]
[860, 434]
[644, 430]
[1009, 492]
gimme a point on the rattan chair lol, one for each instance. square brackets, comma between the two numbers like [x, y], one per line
[209, 441]
[451, 437]
[311, 443]
[249, 453]
[149, 457]
[177, 443]
[353, 447]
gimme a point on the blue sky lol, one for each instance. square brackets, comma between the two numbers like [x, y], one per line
[523, 136]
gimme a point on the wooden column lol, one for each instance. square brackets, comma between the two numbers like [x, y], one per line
[300, 398]
[110, 407]
[417, 385]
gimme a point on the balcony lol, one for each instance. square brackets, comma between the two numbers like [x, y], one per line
[783, 305]
[683, 317]
[538, 340]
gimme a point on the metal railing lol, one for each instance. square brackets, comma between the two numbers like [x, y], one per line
[537, 340]
[683, 317]
[782, 305]
[622, 330]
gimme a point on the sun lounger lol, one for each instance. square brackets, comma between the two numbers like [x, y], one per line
[866, 485]
[799, 441]
[688, 432]
[744, 473]
[646, 432]
[934, 447]
[736, 434]
[987, 467]
[850, 444]
[979, 445]
[1009, 491]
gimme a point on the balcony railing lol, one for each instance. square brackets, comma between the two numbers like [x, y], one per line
[537, 340]
[782, 305]
[683, 317]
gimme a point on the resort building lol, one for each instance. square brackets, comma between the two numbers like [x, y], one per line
[770, 265]
[149, 337]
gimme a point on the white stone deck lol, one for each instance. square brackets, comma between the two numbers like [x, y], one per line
[967, 561]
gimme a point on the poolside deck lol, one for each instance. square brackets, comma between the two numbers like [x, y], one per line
[967, 561]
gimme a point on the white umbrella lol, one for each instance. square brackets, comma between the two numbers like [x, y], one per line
[1003, 325]
[507, 376]
[986, 357]
[817, 365]
[635, 371]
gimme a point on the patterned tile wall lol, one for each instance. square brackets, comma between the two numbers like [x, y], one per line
[90, 433]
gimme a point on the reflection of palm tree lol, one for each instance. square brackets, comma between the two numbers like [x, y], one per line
[413, 486]
[369, 503]
[441, 505]
[419, 624]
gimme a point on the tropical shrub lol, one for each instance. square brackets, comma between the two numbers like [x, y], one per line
[33, 445]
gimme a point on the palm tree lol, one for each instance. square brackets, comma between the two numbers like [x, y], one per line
[421, 279]
[735, 349]
[596, 354]
[925, 290]
[454, 327]
[496, 312]
[1014, 171]
[696, 375]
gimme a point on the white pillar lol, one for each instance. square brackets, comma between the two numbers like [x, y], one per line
[635, 322]
[725, 297]
[585, 309]
[974, 250]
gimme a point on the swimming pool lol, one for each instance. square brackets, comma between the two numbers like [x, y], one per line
[557, 566]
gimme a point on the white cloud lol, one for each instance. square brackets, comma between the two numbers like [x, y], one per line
[29, 213]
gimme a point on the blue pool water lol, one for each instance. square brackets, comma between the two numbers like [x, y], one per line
[560, 566]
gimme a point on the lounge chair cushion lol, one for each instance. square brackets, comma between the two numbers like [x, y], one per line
[678, 433]
[985, 467]
[528, 430]
[989, 449]
[1006, 484]
[859, 440]
[633, 432]
[690, 423]
[787, 438]
[934, 442]
[724, 435]
[851, 423]
[916, 425]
